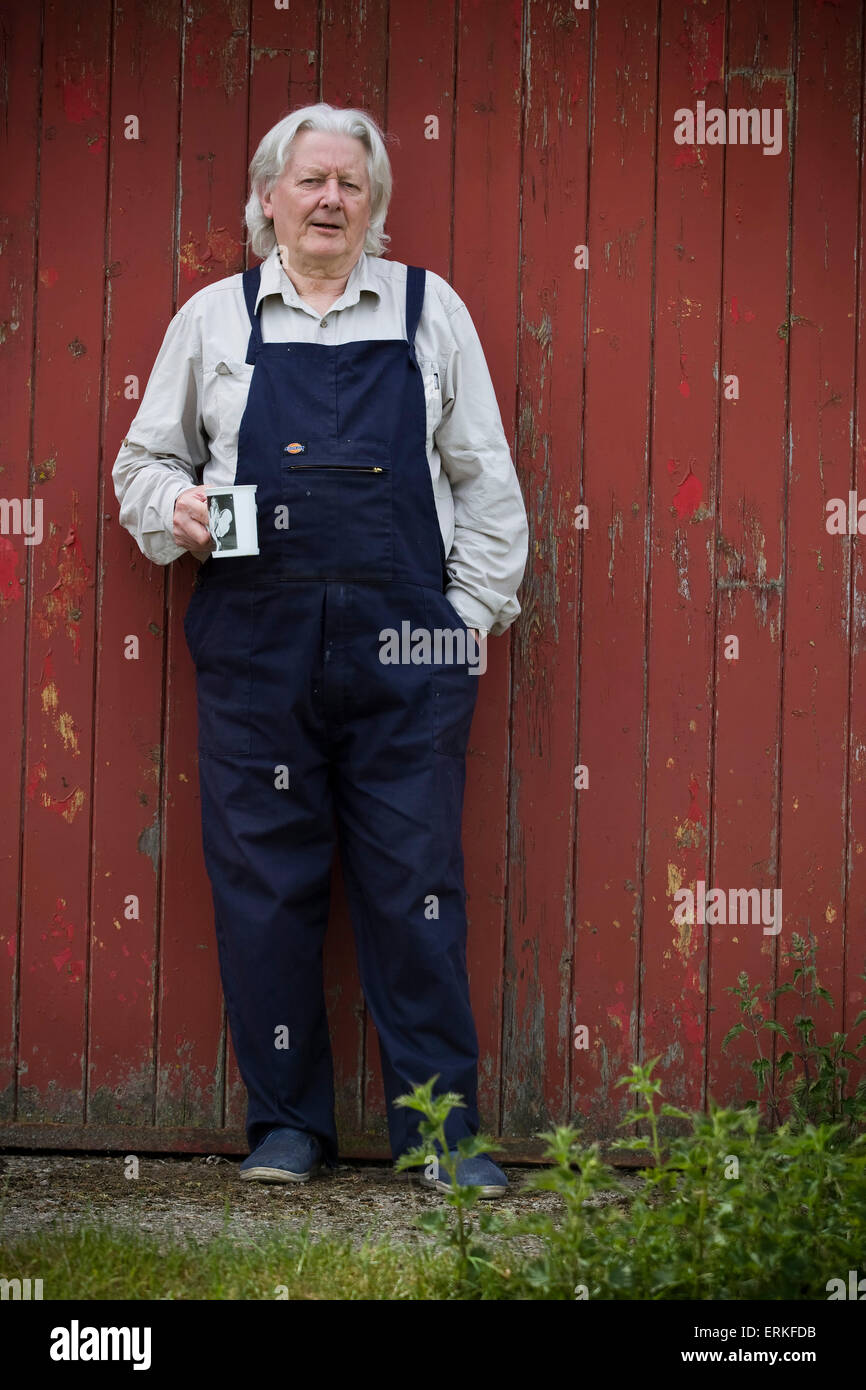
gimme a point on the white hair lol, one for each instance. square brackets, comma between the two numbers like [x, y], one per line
[273, 154]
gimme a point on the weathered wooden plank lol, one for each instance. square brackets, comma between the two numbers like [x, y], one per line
[127, 828]
[815, 725]
[750, 533]
[284, 71]
[192, 1068]
[485, 261]
[421, 93]
[855, 914]
[537, 1000]
[19, 145]
[59, 670]
[354, 45]
[688, 231]
[612, 691]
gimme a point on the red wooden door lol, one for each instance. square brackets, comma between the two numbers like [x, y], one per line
[696, 384]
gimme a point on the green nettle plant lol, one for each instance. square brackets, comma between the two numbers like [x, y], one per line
[819, 1093]
[434, 1110]
[731, 1211]
[570, 1263]
[728, 1209]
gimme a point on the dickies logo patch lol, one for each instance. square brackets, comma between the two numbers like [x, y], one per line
[294, 448]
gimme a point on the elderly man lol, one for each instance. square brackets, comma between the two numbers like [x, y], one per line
[353, 392]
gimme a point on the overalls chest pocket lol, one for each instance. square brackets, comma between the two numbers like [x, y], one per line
[338, 500]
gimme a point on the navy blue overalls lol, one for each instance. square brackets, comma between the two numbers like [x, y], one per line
[305, 734]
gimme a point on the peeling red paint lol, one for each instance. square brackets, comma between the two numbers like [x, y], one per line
[747, 315]
[216, 62]
[222, 246]
[200, 61]
[704, 42]
[62, 928]
[10, 586]
[685, 389]
[187, 260]
[619, 1012]
[693, 1026]
[67, 806]
[688, 496]
[66, 594]
[48, 277]
[223, 249]
[83, 98]
[686, 156]
[692, 1016]
[38, 774]
[695, 813]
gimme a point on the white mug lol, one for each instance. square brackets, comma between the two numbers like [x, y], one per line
[232, 520]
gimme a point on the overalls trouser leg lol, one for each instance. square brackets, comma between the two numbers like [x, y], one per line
[309, 736]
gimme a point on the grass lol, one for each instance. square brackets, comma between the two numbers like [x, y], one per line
[98, 1261]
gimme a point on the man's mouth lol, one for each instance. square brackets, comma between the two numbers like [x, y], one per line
[328, 226]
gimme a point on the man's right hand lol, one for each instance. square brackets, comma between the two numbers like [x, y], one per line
[190, 523]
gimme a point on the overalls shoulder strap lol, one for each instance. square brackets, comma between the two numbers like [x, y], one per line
[251, 281]
[415, 281]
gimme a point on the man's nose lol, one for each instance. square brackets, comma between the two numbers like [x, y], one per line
[331, 191]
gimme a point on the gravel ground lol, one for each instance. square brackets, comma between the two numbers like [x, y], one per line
[200, 1197]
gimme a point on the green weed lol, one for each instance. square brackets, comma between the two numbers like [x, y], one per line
[820, 1089]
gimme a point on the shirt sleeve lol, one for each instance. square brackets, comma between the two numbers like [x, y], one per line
[488, 557]
[165, 445]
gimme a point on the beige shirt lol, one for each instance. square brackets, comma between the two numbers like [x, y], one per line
[186, 428]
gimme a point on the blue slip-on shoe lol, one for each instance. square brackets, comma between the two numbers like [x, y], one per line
[284, 1155]
[472, 1172]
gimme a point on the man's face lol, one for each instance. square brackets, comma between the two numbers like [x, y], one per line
[320, 205]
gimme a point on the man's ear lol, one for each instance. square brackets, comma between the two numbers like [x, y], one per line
[264, 196]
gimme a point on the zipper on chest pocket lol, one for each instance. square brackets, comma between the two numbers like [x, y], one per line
[334, 467]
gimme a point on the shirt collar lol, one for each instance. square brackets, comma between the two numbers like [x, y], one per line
[274, 280]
